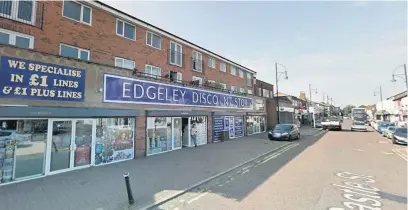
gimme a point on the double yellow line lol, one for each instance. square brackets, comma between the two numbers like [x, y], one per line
[401, 154]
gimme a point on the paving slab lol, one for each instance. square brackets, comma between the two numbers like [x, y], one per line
[152, 178]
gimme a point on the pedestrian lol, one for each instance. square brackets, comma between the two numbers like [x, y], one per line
[193, 133]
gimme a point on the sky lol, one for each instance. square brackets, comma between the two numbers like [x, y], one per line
[344, 49]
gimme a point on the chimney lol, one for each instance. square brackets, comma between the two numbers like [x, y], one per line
[302, 95]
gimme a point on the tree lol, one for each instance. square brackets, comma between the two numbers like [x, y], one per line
[362, 106]
[347, 109]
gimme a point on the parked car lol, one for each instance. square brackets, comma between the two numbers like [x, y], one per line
[399, 136]
[382, 126]
[389, 132]
[21, 139]
[284, 132]
[318, 124]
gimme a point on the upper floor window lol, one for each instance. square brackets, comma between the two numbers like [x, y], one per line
[242, 90]
[224, 86]
[233, 88]
[223, 67]
[125, 30]
[74, 52]
[176, 52]
[200, 80]
[233, 70]
[211, 62]
[76, 11]
[153, 40]
[249, 91]
[249, 79]
[153, 71]
[271, 93]
[16, 39]
[197, 61]
[175, 76]
[241, 73]
[124, 63]
[23, 11]
[259, 91]
[265, 93]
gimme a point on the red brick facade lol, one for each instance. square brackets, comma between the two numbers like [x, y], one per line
[104, 45]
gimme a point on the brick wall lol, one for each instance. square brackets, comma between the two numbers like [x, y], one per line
[101, 40]
[271, 113]
[140, 140]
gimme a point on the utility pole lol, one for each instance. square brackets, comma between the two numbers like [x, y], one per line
[277, 90]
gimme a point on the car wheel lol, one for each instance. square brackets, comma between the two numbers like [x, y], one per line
[298, 136]
[393, 141]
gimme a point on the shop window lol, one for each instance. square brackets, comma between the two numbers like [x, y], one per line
[22, 148]
[114, 140]
[158, 135]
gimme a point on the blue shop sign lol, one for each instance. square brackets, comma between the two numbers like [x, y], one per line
[25, 79]
[119, 89]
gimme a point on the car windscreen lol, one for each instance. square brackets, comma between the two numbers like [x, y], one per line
[384, 124]
[359, 123]
[401, 132]
[283, 127]
[391, 128]
[331, 119]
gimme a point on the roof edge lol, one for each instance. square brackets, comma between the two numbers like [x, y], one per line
[168, 34]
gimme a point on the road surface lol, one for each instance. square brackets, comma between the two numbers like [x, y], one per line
[341, 170]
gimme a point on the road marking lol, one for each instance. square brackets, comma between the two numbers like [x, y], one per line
[176, 208]
[244, 172]
[387, 153]
[198, 197]
[358, 150]
[403, 156]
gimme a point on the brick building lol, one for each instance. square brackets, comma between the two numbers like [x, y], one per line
[84, 84]
[265, 90]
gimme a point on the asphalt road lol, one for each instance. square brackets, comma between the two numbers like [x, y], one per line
[341, 170]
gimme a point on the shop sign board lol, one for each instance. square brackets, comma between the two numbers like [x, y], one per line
[26, 79]
[118, 89]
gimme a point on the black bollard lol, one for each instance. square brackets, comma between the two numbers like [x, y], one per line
[128, 189]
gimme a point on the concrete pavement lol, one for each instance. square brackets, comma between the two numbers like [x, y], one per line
[153, 179]
[343, 170]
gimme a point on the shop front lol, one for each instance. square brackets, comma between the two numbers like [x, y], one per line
[40, 141]
[255, 123]
[168, 130]
[231, 122]
[286, 115]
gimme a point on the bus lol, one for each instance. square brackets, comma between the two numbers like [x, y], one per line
[359, 119]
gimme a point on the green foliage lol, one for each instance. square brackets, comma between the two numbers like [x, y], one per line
[347, 109]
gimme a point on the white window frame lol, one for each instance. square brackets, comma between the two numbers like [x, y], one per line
[198, 58]
[13, 34]
[265, 93]
[151, 73]
[242, 90]
[14, 12]
[249, 91]
[179, 76]
[224, 86]
[123, 60]
[249, 78]
[233, 88]
[241, 73]
[79, 51]
[211, 62]
[123, 29]
[235, 70]
[151, 39]
[223, 66]
[271, 94]
[199, 79]
[181, 54]
[82, 13]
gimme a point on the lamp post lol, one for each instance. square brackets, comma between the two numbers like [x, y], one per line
[381, 98]
[405, 79]
[310, 104]
[278, 74]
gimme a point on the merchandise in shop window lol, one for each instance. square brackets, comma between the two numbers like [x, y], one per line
[7, 157]
[159, 134]
[201, 128]
[113, 142]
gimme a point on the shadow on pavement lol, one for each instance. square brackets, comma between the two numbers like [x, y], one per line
[243, 184]
[392, 197]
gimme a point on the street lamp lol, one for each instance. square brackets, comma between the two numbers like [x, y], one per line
[278, 74]
[310, 104]
[381, 98]
[404, 78]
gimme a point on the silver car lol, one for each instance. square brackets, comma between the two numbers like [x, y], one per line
[358, 126]
[389, 132]
[400, 136]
